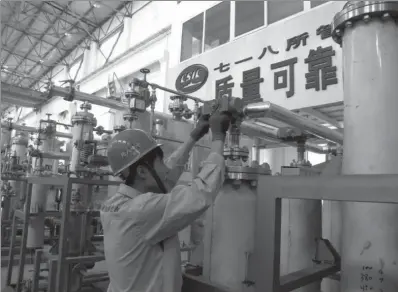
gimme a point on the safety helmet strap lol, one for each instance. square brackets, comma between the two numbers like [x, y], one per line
[156, 177]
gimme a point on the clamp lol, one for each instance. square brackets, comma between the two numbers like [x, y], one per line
[71, 87]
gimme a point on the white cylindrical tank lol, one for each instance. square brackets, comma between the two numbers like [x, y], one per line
[36, 223]
[369, 37]
[5, 138]
[39, 193]
[232, 235]
[19, 146]
[18, 149]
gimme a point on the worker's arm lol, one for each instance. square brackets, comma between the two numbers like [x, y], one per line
[164, 215]
[178, 159]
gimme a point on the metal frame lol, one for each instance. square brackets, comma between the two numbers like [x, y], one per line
[61, 261]
[49, 28]
[266, 259]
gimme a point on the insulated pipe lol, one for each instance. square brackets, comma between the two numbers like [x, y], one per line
[368, 33]
[24, 128]
[270, 110]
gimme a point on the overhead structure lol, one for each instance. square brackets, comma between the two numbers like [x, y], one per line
[37, 37]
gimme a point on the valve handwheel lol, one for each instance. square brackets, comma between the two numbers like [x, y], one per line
[145, 71]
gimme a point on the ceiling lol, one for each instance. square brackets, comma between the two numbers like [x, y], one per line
[36, 36]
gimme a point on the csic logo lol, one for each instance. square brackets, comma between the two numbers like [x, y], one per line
[192, 78]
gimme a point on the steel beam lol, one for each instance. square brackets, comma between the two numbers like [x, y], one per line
[354, 188]
[30, 23]
[67, 53]
[40, 39]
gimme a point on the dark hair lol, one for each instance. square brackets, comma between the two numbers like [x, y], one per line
[148, 158]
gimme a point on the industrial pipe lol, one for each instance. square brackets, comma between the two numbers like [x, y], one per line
[81, 96]
[55, 155]
[252, 130]
[327, 149]
[156, 86]
[23, 128]
[368, 32]
[27, 94]
[270, 110]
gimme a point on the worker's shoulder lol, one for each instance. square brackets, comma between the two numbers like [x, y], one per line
[214, 158]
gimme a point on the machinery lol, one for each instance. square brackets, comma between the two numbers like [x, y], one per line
[69, 227]
[264, 232]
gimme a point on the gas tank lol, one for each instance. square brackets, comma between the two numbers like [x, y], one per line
[232, 226]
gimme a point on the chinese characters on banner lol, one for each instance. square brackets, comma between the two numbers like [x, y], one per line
[321, 72]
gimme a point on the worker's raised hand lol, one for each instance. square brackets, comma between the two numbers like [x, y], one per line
[201, 129]
[219, 125]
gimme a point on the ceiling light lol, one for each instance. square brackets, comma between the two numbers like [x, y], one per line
[5, 66]
[41, 61]
[67, 34]
[96, 5]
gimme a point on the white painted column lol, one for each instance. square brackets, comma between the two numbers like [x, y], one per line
[370, 64]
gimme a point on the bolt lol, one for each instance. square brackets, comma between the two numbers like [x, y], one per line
[386, 16]
[366, 18]
[348, 24]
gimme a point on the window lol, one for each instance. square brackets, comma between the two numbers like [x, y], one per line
[217, 25]
[249, 15]
[278, 10]
[192, 37]
[317, 3]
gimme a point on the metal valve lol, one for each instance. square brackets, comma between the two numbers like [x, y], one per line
[179, 109]
[100, 130]
[233, 105]
[118, 129]
[70, 85]
[85, 106]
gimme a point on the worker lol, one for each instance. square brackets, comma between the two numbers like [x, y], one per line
[142, 220]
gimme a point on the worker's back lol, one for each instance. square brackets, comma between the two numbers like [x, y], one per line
[134, 264]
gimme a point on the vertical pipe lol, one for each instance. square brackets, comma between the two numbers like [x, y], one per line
[256, 152]
[36, 270]
[24, 240]
[63, 238]
[301, 225]
[370, 64]
[10, 263]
